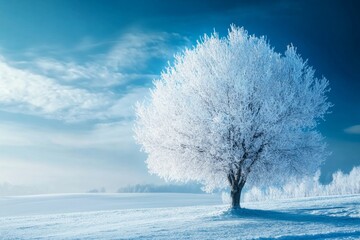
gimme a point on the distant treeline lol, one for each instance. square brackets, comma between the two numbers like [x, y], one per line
[169, 188]
[341, 184]
[95, 190]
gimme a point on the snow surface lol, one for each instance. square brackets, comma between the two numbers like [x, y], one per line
[176, 216]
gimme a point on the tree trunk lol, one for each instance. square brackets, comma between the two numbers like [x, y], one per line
[235, 193]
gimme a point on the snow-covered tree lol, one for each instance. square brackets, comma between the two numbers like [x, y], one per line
[232, 111]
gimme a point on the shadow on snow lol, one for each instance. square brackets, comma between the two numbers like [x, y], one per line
[316, 236]
[243, 213]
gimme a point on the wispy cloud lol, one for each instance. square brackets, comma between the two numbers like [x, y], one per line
[71, 90]
[353, 129]
[125, 60]
[98, 88]
[90, 74]
[27, 92]
[94, 87]
[30, 93]
[133, 50]
[113, 135]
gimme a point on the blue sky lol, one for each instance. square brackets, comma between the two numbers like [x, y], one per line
[71, 71]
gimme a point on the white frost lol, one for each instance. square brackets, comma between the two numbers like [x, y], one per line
[230, 110]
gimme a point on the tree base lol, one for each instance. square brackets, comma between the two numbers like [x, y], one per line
[235, 207]
[235, 199]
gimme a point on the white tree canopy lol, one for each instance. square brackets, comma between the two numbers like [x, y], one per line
[234, 108]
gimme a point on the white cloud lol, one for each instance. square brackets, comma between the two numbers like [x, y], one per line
[43, 158]
[106, 136]
[88, 43]
[134, 49]
[94, 74]
[125, 106]
[353, 129]
[27, 92]
[125, 61]
[115, 136]
[24, 91]
[73, 91]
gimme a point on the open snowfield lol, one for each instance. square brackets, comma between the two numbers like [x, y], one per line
[176, 216]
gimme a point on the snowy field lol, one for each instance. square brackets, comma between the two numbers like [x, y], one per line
[176, 216]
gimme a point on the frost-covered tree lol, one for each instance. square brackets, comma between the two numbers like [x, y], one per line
[232, 111]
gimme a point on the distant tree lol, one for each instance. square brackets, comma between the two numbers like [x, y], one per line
[101, 190]
[231, 111]
[170, 188]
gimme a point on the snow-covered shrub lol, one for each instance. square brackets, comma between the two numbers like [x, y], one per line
[341, 184]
